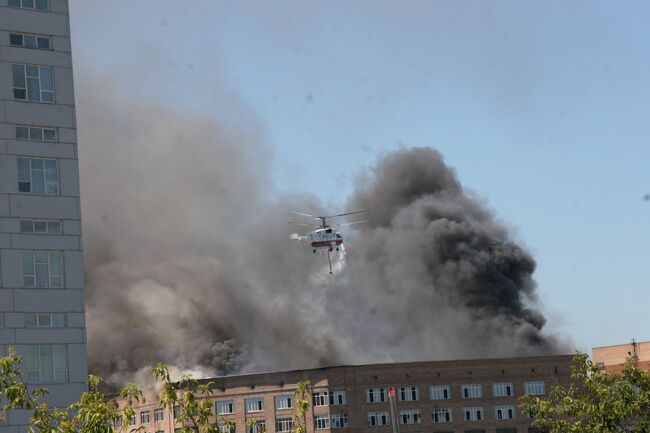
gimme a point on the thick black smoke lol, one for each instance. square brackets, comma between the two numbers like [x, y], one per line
[188, 259]
[434, 271]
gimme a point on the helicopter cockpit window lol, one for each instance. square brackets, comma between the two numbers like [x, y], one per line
[328, 231]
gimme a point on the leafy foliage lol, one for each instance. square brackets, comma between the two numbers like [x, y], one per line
[91, 414]
[302, 396]
[596, 401]
[255, 425]
[187, 399]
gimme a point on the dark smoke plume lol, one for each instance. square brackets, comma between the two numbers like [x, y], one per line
[188, 259]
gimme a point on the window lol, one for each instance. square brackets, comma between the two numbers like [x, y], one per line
[283, 424]
[321, 422]
[338, 398]
[160, 431]
[472, 390]
[254, 405]
[441, 415]
[320, 398]
[225, 407]
[410, 416]
[376, 395]
[35, 133]
[132, 421]
[51, 227]
[440, 392]
[504, 412]
[145, 417]
[158, 414]
[502, 389]
[283, 401]
[39, 5]
[45, 363]
[473, 413]
[42, 269]
[29, 41]
[44, 320]
[409, 394]
[339, 420]
[38, 176]
[256, 426]
[227, 427]
[33, 83]
[534, 387]
[117, 423]
[378, 418]
[177, 411]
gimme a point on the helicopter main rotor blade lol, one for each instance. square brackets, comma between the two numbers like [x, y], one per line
[305, 214]
[349, 224]
[303, 224]
[347, 213]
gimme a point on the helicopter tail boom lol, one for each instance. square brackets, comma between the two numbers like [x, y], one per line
[297, 238]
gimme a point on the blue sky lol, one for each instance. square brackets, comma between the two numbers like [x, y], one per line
[541, 107]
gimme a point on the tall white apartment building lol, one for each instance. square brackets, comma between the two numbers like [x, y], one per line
[41, 263]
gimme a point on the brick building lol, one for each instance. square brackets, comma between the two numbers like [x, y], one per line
[612, 358]
[474, 396]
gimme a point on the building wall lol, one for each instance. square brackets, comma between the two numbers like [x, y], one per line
[612, 358]
[19, 301]
[356, 380]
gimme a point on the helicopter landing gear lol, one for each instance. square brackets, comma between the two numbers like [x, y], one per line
[314, 251]
[331, 249]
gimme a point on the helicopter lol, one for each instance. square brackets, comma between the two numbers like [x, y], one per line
[323, 235]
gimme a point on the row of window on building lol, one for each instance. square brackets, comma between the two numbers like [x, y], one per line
[443, 392]
[378, 395]
[256, 404]
[41, 320]
[285, 424]
[441, 415]
[43, 270]
[337, 421]
[282, 423]
[40, 269]
[42, 363]
[375, 395]
[38, 5]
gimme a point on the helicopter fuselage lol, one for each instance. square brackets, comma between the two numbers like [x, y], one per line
[325, 238]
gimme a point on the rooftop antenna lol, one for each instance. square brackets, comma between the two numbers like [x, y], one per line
[635, 353]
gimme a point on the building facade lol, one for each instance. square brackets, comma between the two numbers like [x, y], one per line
[612, 358]
[41, 265]
[477, 396]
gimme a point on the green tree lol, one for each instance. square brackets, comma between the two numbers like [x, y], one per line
[188, 400]
[302, 396]
[93, 413]
[595, 402]
[254, 425]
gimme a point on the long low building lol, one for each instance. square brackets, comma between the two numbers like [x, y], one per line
[471, 396]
